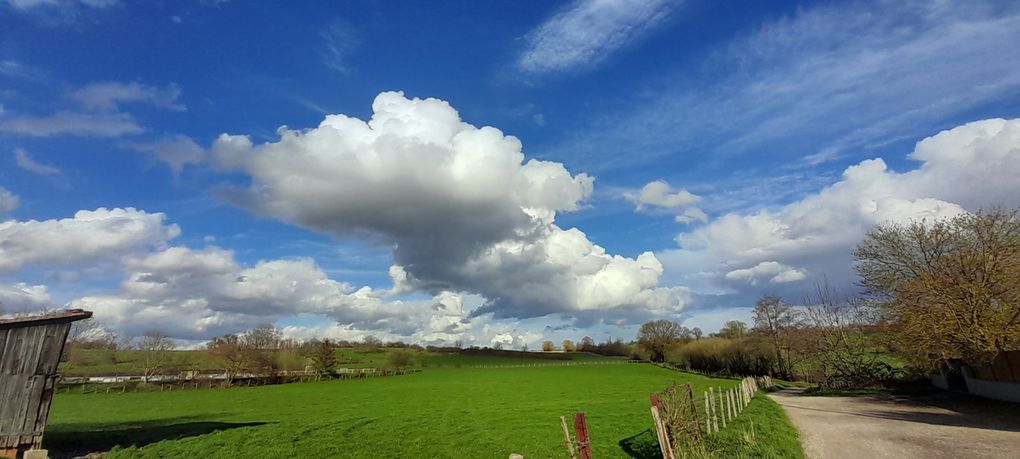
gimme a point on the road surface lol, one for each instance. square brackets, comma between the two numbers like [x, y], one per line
[945, 426]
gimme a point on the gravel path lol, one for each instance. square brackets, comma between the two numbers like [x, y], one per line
[943, 426]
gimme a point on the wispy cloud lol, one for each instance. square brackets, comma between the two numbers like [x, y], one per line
[30, 4]
[70, 123]
[25, 161]
[339, 40]
[108, 95]
[586, 33]
[820, 82]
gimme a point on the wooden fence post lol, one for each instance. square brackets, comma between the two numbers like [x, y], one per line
[665, 446]
[566, 437]
[708, 416]
[583, 438]
[722, 407]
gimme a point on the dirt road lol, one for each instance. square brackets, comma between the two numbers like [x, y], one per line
[891, 427]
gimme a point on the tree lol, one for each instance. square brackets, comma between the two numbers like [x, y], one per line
[777, 320]
[156, 351]
[231, 350]
[587, 345]
[733, 329]
[323, 355]
[658, 336]
[697, 333]
[260, 345]
[548, 346]
[949, 287]
[372, 343]
[568, 346]
[400, 358]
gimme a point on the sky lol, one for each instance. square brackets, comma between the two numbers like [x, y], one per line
[481, 172]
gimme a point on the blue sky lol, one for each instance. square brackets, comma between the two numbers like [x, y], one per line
[690, 157]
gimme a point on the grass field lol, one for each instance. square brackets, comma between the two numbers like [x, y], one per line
[439, 412]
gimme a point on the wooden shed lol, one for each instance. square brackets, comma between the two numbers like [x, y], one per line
[30, 349]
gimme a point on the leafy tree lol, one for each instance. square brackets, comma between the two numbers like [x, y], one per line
[950, 287]
[400, 358]
[568, 346]
[548, 346]
[733, 329]
[697, 333]
[587, 344]
[658, 336]
[323, 355]
[157, 353]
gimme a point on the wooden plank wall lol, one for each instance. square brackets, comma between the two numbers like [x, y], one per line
[28, 365]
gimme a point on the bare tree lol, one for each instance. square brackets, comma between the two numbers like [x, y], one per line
[949, 286]
[841, 344]
[658, 336]
[587, 344]
[260, 344]
[232, 351]
[778, 321]
[697, 333]
[733, 329]
[156, 350]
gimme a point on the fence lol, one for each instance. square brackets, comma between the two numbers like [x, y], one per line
[101, 385]
[676, 417]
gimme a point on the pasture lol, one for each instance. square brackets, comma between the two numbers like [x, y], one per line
[439, 412]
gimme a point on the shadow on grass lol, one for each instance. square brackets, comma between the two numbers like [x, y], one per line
[80, 439]
[644, 445]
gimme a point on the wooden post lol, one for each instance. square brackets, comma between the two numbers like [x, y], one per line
[665, 445]
[566, 437]
[583, 439]
[708, 416]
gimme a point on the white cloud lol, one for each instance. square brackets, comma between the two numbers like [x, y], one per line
[462, 207]
[71, 123]
[971, 166]
[197, 294]
[177, 151]
[108, 95]
[22, 298]
[102, 234]
[24, 161]
[775, 272]
[30, 4]
[660, 194]
[8, 201]
[585, 33]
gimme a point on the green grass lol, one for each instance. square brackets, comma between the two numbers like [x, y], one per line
[445, 412]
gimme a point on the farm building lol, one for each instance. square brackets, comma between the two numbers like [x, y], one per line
[999, 379]
[30, 349]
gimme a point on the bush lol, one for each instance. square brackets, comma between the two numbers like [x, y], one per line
[726, 356]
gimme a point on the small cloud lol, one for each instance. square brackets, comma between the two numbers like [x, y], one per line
[660, 194]
[24, 161]
[537, 117]
[31, 4]
[176, 19]
[691, 215]
[775, 272]
[71, 123]
[825, 155]
[177, 151]
[106, 96]
[8, 201]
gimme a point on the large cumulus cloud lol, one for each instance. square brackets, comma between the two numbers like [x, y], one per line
[461, 206]
[962, 169]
